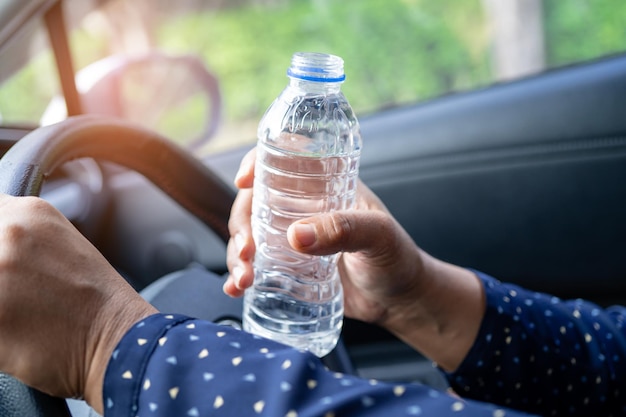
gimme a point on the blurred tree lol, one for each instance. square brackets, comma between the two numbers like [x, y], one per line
[517, 37]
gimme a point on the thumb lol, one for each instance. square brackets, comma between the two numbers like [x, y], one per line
[342, 231]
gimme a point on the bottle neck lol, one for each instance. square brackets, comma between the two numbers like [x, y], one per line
[317, 87]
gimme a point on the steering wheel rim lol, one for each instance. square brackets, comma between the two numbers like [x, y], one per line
[24, 168]
[183, 177]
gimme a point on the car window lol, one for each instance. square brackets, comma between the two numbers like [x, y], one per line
[396, 52]
[29, 79]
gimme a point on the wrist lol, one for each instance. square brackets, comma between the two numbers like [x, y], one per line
[442, 316]
[118, 315]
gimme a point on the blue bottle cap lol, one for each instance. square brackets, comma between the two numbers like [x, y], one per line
[317, 67]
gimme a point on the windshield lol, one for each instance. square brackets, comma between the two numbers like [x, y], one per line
[396, 52]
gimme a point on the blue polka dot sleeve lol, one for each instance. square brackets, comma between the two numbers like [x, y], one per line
[538, 353]
[170, 365]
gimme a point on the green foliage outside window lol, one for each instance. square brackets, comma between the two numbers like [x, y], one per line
[395, 52]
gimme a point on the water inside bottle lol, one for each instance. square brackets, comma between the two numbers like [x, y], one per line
[296, 299]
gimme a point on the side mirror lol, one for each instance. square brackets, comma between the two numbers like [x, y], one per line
[176, 96]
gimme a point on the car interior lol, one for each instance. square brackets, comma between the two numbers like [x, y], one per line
[521, 180]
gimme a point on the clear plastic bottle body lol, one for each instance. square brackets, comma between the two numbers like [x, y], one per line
[307, 163]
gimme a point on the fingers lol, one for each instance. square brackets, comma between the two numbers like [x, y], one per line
[245, 176]
[64, 307]
[349, 231]
[344, 231]
[370, 232]
[240, 250]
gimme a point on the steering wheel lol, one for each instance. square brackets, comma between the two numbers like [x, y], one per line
[184, 178]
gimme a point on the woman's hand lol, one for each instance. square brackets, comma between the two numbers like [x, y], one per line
[379, 263]
[63, 308]
[387, 279]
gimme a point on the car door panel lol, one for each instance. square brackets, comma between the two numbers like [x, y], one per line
[523, 181]
[520, 180]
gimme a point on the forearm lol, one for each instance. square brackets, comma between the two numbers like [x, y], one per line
[443, 317]
[173, 365]
[538, 353]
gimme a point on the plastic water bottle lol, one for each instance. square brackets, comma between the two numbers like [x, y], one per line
[307, 163]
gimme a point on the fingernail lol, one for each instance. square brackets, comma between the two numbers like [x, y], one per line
[237, 274]
[241, 172]
[305, 234]
[240, 243]
[238, 175]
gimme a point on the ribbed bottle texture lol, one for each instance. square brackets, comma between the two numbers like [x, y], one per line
[307, 163]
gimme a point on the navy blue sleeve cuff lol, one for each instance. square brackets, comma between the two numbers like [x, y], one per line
[541, 354]
[123, 377]
[169, 365]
